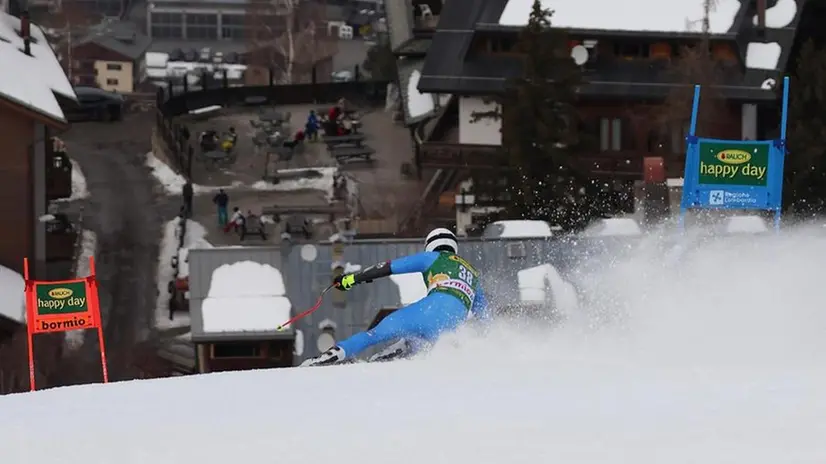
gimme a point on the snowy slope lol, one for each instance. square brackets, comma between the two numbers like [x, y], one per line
[720, 361]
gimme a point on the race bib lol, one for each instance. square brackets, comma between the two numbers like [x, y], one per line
[454, 284]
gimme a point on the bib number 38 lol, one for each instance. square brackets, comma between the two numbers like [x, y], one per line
[466, 275]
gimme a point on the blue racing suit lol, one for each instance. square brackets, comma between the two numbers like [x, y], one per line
[454, 293]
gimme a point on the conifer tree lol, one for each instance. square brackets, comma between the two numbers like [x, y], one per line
[538, 129]
[805, 167]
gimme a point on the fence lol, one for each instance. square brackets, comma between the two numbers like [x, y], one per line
[172, 103]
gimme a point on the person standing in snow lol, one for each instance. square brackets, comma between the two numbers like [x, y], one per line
[187, 194]
[454, 292]
[236, 222]
[221, 199]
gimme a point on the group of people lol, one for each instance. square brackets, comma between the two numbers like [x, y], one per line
[239, 222]
[210, 141]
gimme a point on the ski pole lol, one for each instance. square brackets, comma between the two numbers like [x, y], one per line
[307, 312]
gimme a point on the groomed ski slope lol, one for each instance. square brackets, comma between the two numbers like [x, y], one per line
[720, 361]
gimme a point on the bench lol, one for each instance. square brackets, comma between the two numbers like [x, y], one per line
[254, 101]
[334, 140]
[349, 153]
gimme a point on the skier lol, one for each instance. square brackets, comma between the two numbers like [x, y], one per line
[454, 293]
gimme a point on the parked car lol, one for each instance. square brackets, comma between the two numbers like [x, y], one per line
[191, 55]
[95, 104]
[176, 55]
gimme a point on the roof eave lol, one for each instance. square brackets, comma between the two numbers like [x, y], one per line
[41, 116]
[219, 337]
[486, 27]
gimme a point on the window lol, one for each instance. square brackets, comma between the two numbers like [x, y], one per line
[111, 82]
[113, 67]
[167, 32]
[611, 134]
[678, 136]
[631, 50]
[202, 26]
[236, 350]
[233, 26]
[167, 25]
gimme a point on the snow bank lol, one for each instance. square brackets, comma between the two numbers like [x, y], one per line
[12, 287]
[245, 296]
[173, 183]
[324, 182]
[745, 225]
[88, 247]
[80, 189]
[535, 281]
[195, 238]
[418, 104]
[633, 15]
[411, 287]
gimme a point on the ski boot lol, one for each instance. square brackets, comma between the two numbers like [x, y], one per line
[399, 350]
[334, 355]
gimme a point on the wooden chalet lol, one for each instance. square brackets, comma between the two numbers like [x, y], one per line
[469, 57]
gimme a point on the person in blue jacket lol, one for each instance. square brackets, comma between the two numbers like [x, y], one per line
[454, 293]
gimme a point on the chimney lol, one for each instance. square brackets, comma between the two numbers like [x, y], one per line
[761, 15]
[24, 25]
[25, 32]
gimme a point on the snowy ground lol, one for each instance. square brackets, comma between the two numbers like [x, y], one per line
[720, 360]
[88, 246]
[79, 188]
[195, 238]
[173, 182]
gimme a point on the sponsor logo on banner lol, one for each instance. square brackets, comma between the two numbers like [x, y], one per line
[454, 284]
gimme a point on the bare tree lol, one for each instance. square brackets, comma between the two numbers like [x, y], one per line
[70, 23]
[288, 36]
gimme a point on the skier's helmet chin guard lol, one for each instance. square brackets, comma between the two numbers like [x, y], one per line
[441, 240]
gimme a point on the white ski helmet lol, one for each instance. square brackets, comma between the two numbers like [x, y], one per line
[441, 239]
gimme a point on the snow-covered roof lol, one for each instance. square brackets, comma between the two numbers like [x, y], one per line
[12, 286]
[613, 227]
[525, 228]
[157, 60]
[418, 104]
[630, 15]
[245, 297]
[33, 80]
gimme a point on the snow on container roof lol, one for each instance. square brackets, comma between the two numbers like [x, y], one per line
[31, 80]
[613, 227]
[245, 297]
[157, 60]
[12, 286]
[518, 229]
[411, 287]
[630, 15]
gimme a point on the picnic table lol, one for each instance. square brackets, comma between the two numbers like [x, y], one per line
[274, 117]
[335, 140]
[252, 101]
[343, 154]
[216, 157]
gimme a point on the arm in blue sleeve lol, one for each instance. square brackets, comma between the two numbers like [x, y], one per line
[419, 262]
[481, 309]
[413, 263]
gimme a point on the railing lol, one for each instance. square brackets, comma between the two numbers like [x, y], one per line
[172, 103]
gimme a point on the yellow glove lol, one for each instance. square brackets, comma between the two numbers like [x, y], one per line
[345, 282]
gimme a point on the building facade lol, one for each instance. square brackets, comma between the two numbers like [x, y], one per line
[628, 70]
[29, 116]
[113, 60]
[201, 21]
